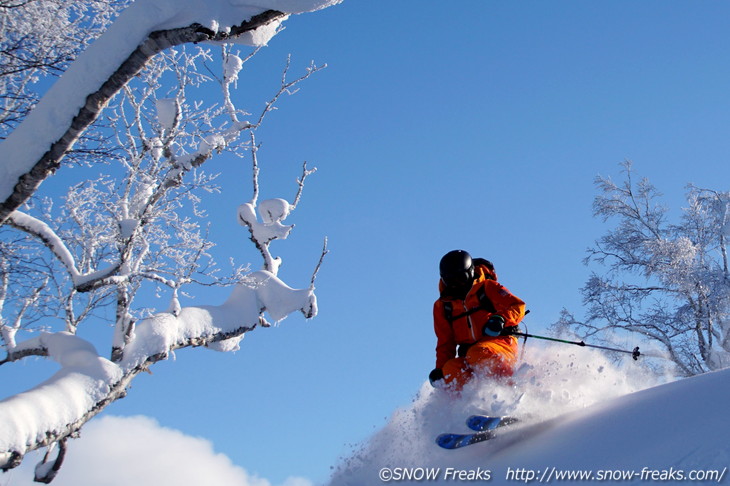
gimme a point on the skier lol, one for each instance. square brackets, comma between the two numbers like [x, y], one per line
[473, 318]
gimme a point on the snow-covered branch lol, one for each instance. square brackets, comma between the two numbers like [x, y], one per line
[319, 263]
[26, 165]
[40, 230]
[272, 213]
[9, 328]
[87, 383]
[287, 87]
[300, 182]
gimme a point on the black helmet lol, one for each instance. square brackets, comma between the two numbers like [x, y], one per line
[457, 269]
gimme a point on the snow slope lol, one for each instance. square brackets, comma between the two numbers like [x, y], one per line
[582, 416]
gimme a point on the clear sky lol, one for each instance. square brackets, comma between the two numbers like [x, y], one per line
[437, 125]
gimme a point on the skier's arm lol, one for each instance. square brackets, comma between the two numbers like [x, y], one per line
[507, 305]
[445, 343]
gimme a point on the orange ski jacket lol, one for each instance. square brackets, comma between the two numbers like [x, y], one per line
[458, 322]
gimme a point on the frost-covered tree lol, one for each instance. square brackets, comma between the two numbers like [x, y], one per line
[134, 223]
[667, 282]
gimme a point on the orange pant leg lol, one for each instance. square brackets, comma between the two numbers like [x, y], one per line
[456, 373]
[493, 357]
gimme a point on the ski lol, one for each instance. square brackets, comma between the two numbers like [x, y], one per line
[486, 422]
[486, 431]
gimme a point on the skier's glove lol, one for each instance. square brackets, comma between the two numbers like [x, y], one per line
[435, 375]
[494, 326]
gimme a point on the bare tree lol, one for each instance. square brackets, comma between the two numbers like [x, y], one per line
[136, 224]
[667, 282]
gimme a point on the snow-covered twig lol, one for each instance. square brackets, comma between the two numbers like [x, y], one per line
[9, 331]
[232, 65]
[319, 263]
[286, 87]
[255, 169]
[300, 182]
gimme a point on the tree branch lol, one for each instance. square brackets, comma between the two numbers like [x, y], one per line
[95, 102]
[300, 182]
[40, 230]
[319, 263]
[96, 382]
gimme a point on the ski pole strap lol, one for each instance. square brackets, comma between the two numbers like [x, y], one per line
[634, 353]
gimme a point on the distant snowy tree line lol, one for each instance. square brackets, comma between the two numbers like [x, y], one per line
[668, 283]
[136, 219]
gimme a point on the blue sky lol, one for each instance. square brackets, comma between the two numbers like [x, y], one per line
[479, 125]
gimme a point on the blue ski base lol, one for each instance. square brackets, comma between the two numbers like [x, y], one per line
[484, 427]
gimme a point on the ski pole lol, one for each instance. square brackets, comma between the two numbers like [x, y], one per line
[634, 353]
